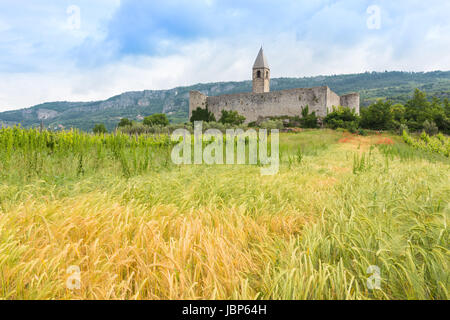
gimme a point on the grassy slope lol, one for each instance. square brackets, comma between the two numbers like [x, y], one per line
[309, 232]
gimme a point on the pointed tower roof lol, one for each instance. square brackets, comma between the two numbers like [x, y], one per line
[261, 61]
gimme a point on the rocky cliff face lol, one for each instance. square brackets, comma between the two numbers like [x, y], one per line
[132, 105]
[45, 114]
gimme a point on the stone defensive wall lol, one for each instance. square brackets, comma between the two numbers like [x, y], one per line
[351, 100]
[272, 104]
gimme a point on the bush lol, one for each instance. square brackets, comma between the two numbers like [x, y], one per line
[342, 117]
[99, 128]
[363, 132]
[403, 128]
[430, 128]
[157, 119]
[288, 122]
[202, 115]
[140, 128]
[231, 117]
[272, 124]
[222, 126]
[124, 122]
[308, 120]
[438, 144]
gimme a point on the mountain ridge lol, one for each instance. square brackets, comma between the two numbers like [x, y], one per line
[395, 85]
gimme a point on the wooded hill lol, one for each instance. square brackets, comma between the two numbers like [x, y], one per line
[397, 86]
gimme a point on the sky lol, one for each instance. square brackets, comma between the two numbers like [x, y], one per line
[84, 50]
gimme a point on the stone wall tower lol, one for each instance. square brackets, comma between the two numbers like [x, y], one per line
[261, 74]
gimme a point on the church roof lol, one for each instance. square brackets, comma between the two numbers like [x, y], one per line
[261, 61]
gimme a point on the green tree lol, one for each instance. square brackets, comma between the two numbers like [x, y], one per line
[417, 110]
[446, 104]
[157, 119]
[99, 128]
[124, 122]
[398, 113]
[202, 115]
[378, 116]
[231, 117]
[430, 128]
[438, 115]
[308, 120]
[342, 117]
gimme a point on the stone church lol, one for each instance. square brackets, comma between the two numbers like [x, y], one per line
[261, 103]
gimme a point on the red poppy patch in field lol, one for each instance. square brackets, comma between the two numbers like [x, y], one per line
[386, 141]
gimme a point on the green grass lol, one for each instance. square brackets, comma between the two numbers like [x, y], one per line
[160, 231]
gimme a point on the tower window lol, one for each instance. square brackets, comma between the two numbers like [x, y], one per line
[258, 74]
[267, 74]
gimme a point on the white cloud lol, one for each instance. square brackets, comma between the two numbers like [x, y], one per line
[39, 61]
[209, 61]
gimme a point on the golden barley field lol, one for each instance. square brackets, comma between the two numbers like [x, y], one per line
[139, 227]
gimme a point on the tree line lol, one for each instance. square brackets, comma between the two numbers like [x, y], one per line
[418, 114]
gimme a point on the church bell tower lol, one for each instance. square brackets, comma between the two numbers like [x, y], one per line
[261, 74]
